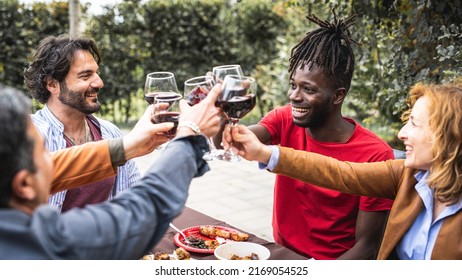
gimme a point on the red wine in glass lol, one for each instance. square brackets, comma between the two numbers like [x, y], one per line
[238, 106]
[238, 99]
[149, 97]
[196, 95]
[170, 113]
[236, 103]
[168, 117]
[167, 97]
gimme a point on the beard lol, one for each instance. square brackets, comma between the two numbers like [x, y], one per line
[78, 101]
[317, 117]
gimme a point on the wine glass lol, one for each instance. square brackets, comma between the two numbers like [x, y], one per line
[196, 89]
[238, 98]
[157, 82]
[167, 109]
[220, 72]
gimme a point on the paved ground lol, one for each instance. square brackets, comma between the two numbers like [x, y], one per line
[237, 193]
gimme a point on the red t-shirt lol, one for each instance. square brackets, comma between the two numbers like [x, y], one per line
[314, 221]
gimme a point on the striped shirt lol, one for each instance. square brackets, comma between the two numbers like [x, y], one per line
[53, 131]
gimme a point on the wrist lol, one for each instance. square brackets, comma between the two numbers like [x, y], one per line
[189, 125]
[265, 154]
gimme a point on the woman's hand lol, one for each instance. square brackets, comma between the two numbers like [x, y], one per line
[245, 144]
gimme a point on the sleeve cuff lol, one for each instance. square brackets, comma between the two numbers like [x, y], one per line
[273, 161]
[117, 152]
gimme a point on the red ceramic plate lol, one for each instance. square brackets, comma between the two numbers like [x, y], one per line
[179, 240]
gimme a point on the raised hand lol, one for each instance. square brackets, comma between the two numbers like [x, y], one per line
[205, 114]
[245, 143]
[145, 136]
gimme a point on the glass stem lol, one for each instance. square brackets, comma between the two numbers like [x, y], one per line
[232, 123]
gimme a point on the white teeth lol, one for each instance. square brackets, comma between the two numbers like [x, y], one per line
[299, 110]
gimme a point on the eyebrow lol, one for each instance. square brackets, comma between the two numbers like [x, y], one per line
[86, 71]
[304, 83]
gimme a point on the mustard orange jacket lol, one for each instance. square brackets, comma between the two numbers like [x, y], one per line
[80, 165]
[388, 179]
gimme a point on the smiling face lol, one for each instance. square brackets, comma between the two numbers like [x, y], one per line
[80, 88]
[311, 97]
[416, 135]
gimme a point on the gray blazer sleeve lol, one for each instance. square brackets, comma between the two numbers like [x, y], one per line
[130, 225]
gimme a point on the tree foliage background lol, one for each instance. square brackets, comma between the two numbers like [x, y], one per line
[402, 42]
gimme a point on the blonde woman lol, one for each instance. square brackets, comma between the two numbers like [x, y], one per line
[426, 218]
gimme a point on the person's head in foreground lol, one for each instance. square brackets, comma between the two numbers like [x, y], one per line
[25, 166]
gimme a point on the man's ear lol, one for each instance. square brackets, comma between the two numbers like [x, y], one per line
[52, 85]
[22, 187]
[340, 94]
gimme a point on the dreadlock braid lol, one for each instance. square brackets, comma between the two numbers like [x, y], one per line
[329, 47]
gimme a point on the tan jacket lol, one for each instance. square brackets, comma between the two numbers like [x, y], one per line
[80, 165]
[388, 179]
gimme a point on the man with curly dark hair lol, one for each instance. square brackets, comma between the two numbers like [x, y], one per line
[64, 75]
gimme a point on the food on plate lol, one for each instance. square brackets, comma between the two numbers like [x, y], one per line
[197, 242]
[239, 236]
[212, 244]
[161, 256]
[252, 256]
[209, 231]
[178, 254]
[148, 257]
[212, 231]
[182, 254]
[206, 238]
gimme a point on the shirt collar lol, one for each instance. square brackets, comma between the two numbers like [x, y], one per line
[422, 174]
[52, 119]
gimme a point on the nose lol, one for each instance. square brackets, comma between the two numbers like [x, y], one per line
[97, 82]
[294, 95]
[402, 134]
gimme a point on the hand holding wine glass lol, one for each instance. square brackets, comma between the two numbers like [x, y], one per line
[246, 144]
[167, 109]
[204, 114]
[238, 98]
[195, 90]
[159, 82]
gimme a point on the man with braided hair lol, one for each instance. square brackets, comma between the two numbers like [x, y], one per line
[312, 221]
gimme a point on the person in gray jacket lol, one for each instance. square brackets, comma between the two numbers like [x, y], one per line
[126, 227]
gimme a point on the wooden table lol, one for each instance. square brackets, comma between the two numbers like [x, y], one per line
[190, 217]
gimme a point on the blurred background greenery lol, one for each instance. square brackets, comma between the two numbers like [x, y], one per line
[402, 42]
